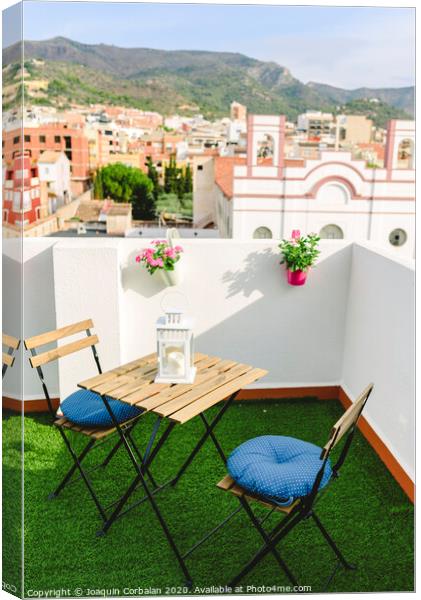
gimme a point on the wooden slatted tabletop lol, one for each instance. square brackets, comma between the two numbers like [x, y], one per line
[133, 383]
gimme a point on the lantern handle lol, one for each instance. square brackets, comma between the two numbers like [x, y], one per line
[165, 306]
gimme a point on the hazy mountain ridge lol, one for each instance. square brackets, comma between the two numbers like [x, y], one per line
[402, 97]
[167, 80]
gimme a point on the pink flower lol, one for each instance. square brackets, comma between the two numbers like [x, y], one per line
[138, 259]
[159, 262]
[295, 234]
[170, 252]
[178, 249]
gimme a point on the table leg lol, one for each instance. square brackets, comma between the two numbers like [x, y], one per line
[140, 469]
[208, 433]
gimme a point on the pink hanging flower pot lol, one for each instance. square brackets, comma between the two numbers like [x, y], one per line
[298, 254]
[296, 277]
[162, 260]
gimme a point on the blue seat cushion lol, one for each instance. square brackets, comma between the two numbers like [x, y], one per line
[87, 408]
[277, 467]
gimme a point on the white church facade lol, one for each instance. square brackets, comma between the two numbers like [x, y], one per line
[267, 195]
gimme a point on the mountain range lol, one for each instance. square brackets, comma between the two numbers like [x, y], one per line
[184, 81]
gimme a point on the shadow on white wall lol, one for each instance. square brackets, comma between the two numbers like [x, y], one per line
[135, 277]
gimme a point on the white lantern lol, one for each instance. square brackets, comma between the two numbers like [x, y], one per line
[174, 333]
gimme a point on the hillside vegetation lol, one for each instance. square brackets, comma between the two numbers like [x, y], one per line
[186, 82]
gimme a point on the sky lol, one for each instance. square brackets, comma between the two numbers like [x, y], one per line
[347, 47]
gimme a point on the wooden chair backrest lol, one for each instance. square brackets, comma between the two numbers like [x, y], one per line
[347, 420]
[36, 341]
[11, 344]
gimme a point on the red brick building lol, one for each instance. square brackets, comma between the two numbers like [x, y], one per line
[21, 190]
[58, 137]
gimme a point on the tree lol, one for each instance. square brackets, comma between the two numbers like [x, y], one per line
[188, 180]
[98, 187]
[154, 177]
[129, 184]
[171, 175]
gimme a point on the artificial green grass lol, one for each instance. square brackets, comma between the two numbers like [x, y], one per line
[365, 511]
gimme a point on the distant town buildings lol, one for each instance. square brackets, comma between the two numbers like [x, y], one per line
[253, 176]
[338, 130]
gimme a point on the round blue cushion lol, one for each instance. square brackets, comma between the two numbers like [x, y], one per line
[87, 408]
[278, 467]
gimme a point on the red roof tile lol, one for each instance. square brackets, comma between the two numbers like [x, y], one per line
[224, 172]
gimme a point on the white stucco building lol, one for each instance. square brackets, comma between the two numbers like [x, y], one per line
[334, 195]
[54, 175]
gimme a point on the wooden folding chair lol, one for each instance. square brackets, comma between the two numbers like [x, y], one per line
[94, 435]
[10, 345]
[301, 508]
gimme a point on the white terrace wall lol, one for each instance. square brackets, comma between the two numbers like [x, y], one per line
[380, 347]
[350, 324]
[237, 292]
[28, 276]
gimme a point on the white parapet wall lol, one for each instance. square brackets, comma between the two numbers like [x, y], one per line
[350, 324]
[28, 308]
[379, 346]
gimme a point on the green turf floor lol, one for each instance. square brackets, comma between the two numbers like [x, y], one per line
[365, 510]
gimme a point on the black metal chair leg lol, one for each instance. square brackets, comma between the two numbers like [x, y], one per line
[143, 466]
[112, 452]
[289, 523]
[108, 522]
[83, 475]
[331, 576]
[72, 469]
[267, 540]
[331, 543]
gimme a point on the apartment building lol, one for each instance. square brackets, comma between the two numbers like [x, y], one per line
[21, 191]
[315, 123]
[54, 171]
[353, 129]
[57, 137]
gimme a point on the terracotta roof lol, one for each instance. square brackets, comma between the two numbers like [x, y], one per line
[378, 148]
[211, 152]
[294, 162]
[49, 156]
[224, 172]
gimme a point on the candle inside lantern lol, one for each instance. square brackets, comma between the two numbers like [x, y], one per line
[175, 362]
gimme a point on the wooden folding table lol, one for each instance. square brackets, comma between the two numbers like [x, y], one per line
[216, 380]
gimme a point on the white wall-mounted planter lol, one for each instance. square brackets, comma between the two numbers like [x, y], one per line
[170, 278]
